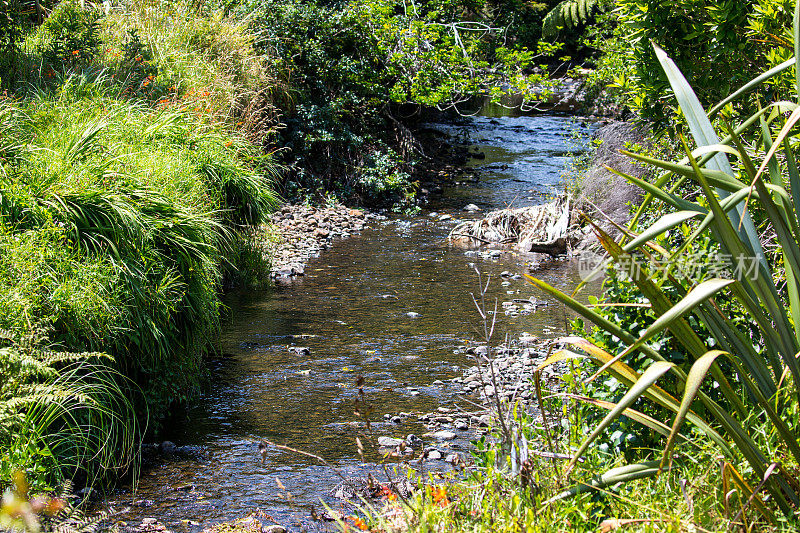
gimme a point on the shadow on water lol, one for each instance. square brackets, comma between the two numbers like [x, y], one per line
[351, 312]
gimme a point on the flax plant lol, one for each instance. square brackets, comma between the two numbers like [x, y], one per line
[738, 383]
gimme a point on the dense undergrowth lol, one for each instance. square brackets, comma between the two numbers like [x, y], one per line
[127, 196]
[359, 73]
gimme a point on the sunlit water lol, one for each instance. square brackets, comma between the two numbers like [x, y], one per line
[350, 310]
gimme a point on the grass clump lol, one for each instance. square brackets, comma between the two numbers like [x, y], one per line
[127, 201]
[526, 490]
[146, 204]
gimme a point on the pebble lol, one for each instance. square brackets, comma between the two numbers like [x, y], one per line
[434, 455]
[471, 208]
[167, 448]
[300, 350]
[445, 217]
[412, 314]
[462, 425]
[414, 441]
[275, 528]
[444, 435]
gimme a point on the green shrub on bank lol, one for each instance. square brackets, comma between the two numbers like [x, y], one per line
[166, 53]
[117, 224]
[718, 45]
[358, 70]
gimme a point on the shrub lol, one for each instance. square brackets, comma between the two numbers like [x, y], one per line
[713, 43]
[355, 66]
[69, 36]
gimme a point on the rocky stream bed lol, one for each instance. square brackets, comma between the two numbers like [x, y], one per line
[366, 310]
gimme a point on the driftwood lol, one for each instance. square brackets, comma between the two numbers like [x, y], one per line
[540, 228]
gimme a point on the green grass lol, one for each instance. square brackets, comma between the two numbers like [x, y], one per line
[493, 495]
[130, 188]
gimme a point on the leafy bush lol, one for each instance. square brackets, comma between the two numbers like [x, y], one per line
[713, 43]
[356, 66]
[69, 36]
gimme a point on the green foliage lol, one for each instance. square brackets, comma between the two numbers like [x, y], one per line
[754, 369]
[494, 496]
[174, 51]
[715, 44]
[62, 414]
[355, 66]
[568, 14]
[69, 36]
[117, 220]
[126, 203]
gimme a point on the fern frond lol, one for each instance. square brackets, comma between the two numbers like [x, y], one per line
[568, 14]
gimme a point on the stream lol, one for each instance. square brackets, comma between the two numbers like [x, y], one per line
[351, 311]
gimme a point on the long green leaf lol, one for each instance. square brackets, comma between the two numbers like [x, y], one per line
[705, 135]
[693, 383]
[649, 377]
[622, 474]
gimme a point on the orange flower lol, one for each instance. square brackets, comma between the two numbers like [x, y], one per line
[387, 493]
[439, 495]
[76, 52]
[360, 524]
[228, 144]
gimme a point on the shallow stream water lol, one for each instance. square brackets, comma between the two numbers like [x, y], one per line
[351, 311]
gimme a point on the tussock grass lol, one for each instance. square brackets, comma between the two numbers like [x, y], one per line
[151, 199]
[126, 201]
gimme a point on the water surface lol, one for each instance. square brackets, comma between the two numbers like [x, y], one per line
[351, 311]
